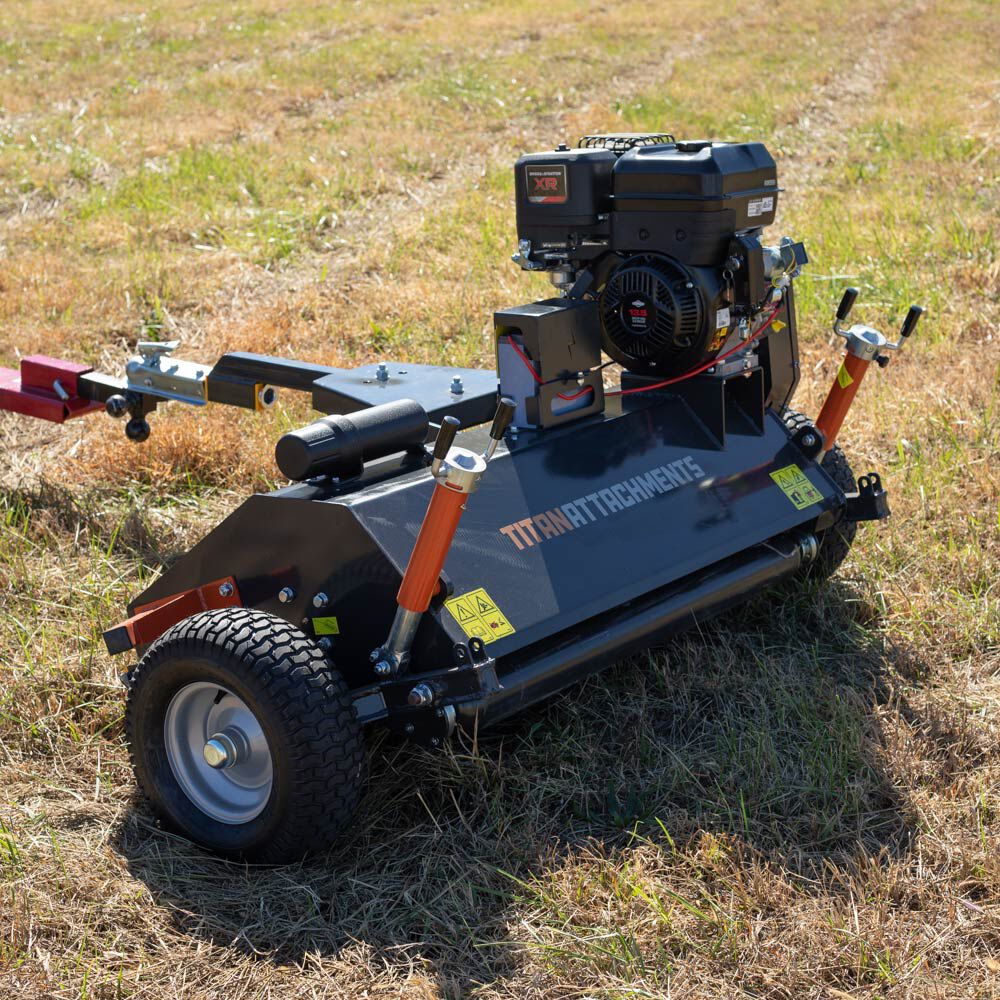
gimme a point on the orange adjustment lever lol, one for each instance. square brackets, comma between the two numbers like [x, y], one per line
[457, 472]
[864, 345]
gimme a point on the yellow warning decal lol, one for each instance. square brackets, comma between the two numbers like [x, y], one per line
[476, 612]
[777, 326]
[844, 377]
[792, 482]
[326, 626]
[719, 339]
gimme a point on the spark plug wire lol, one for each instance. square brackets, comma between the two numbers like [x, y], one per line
[709, 364]
[656, 385]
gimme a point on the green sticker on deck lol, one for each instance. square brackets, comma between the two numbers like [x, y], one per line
[791, 480]
[326, 626]
[479, 616]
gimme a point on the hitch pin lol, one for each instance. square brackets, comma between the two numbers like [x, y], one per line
[864, 345]
[457, 472]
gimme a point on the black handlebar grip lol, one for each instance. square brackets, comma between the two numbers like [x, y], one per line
[339, 445]
[846, 304]
[502, 418]
[911, 321]
[446, 437]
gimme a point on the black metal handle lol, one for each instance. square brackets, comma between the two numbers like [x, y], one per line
[446, 437]
[846, 304]
[911, 321]
[502, 418]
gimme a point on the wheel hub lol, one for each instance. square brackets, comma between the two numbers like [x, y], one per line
[218, 752]
[222, 749]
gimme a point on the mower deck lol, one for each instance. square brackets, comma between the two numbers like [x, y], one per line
[532, 559]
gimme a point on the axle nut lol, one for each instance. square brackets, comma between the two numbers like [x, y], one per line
[286, 595]
[220, 752]
[420, 696]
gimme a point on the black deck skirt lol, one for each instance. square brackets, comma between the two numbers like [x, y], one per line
[593, 645]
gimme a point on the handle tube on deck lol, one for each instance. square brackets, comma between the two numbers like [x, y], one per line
[420, 581]
[839, 399]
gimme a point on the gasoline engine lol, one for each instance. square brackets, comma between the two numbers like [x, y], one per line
[656, 246]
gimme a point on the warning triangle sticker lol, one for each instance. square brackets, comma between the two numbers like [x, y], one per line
[483, 606]
[465, 613]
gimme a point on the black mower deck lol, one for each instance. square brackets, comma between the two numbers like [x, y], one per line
[569, 526]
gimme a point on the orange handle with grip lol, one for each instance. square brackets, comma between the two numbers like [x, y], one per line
[841, 395]
[423, 571]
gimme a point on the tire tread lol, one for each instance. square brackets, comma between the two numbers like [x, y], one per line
[312, 700]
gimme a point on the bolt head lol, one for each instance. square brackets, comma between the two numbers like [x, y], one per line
[808, 440]
[383, 668]
[320, 600]
[435, 742]
[408, 727]
[326, 643]
[226, 590]
[219, 752]
[286, 595]
[420, 695]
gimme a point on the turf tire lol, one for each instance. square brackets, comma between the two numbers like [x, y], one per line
[303, 707]
[835, 542]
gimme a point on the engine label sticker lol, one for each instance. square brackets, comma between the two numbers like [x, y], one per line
[844, 377]
[326, 626]
[478, 616]
[758, 206]
[638, 313]
[792, 481]
[546, 185]
[722, 319]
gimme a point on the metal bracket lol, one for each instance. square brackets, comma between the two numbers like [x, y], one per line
[155, 373]
[429, 717]
[809, 440]
[870, 503]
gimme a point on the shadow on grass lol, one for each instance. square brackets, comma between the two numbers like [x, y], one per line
[760, 730]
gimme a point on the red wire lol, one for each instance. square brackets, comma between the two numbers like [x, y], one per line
[704, 367]
[531, 368]
[656, 385]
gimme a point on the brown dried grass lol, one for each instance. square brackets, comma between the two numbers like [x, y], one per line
[799, 801]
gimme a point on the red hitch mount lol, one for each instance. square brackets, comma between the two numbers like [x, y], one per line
[151, 620]
[45, 388]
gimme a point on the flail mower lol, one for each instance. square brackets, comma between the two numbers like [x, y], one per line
[456, 545]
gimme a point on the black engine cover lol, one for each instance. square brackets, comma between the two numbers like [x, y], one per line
[658, 316]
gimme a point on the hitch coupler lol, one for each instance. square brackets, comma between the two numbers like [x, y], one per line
[457, 472]
[864, 345]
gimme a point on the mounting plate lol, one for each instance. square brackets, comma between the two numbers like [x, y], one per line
[347, 390]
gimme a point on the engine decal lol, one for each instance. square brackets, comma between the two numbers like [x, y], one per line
[477, 614]
[792, 481]
[547, 185]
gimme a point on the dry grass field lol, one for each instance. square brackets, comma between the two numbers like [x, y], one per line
[800, 801]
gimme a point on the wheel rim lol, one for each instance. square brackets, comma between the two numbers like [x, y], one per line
[238, 787]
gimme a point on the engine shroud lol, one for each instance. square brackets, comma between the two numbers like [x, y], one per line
[659, 316]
